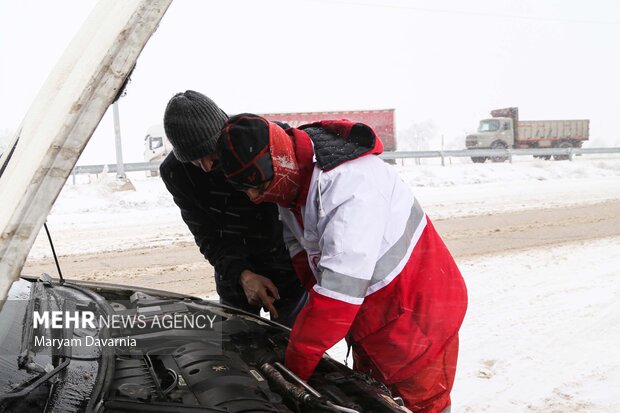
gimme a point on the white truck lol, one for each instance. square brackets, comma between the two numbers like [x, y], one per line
[505, 130]
[156, 146]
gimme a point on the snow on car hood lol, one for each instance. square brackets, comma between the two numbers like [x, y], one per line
[62, 118]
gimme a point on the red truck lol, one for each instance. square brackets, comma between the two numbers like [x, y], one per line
[156, 146]
[381, 120]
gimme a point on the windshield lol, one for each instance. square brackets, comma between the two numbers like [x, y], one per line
[155, 142]
[489, 125]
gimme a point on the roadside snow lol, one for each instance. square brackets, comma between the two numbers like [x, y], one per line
[541, 331]
[478, 189]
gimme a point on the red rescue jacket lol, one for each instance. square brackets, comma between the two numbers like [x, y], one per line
[382, 276]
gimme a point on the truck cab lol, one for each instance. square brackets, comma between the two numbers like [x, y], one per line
[156, 146]
[492, 133]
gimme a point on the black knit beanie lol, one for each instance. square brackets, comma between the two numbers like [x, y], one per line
[193, 123]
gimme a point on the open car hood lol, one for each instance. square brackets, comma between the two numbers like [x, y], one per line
[63, 117]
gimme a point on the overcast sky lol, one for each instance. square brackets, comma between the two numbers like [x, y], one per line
[444, 61]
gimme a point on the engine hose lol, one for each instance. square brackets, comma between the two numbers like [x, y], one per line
[307, 396]
[289, 388]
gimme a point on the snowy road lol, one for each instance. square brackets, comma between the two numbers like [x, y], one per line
[470, 236]
[519, 230]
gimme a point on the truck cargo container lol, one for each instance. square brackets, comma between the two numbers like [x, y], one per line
[381, 121]
[156, 145]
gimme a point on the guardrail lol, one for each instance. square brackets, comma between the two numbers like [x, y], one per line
[111, 168]
[508, 154]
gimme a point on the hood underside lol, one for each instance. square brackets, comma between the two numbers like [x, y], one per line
[63, 117]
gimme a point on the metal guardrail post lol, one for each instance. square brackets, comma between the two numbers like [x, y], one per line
[120, 170]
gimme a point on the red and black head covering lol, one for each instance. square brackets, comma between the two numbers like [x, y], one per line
[244, 151]
[253, 150]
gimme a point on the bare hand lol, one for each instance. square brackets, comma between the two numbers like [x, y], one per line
[260, 290]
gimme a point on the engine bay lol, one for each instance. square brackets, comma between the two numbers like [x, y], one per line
[236, 365]
[122, 350]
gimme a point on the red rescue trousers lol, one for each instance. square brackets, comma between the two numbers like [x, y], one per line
[427, 390]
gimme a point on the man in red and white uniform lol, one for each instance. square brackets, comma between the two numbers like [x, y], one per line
[377, 271]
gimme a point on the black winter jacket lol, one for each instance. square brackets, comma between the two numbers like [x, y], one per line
[233, 233]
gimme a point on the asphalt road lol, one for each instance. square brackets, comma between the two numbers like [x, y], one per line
[492, 234]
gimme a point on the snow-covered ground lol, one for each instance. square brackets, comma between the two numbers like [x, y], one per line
[543, 325]
[541, 331]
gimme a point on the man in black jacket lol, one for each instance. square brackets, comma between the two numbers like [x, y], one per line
[242, 240]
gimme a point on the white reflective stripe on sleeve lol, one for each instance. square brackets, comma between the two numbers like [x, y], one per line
[343, 284]
[337, 296]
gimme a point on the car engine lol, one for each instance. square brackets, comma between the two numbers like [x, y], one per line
[234, 366]
[140, 354]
